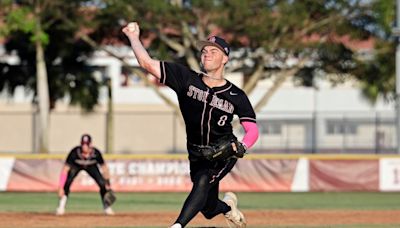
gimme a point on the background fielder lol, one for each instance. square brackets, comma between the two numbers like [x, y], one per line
[88, 158]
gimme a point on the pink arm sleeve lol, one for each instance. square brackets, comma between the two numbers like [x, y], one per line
[63, 178]
[251, 133]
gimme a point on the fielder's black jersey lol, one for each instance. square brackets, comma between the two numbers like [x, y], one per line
[208, 112]
[76, 159]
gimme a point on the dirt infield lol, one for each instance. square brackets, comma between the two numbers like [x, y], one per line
[163, 219]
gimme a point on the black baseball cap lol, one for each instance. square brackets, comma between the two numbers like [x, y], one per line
[216, 42]
[86, 139]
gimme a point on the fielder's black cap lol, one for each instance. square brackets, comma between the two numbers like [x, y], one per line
[216, 42]
[86, 139]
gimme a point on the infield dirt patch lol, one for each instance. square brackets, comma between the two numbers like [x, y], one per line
[163, 219]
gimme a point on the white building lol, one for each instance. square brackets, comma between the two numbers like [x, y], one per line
[297, 119]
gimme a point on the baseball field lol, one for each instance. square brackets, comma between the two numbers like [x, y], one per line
[333, 209]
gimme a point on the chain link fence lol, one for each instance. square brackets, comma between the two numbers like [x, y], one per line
[164, 132]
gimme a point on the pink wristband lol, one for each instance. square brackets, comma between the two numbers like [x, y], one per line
[63, 179]
[251, 134]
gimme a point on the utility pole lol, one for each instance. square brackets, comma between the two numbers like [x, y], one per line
[109, 119]
[396, 33]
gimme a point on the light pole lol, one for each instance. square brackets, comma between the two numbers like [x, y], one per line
[396, 33]
[314, 116]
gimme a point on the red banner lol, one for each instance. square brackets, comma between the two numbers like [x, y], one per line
[172, 174]
[262, 175]
[153, 175]
[34, 175]
[344, 175]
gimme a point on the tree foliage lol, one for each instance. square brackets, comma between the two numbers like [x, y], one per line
[272, 39]
[65, 53]
[378, 73]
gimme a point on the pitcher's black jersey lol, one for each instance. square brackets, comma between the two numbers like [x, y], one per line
[208, 112]
[76, 159]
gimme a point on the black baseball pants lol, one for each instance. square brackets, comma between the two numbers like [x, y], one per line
[93, 171]
[203, 197]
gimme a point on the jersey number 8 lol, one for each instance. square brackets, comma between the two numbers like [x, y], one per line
[222, 120]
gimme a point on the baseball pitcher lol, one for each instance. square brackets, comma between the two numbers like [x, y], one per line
[208, 103]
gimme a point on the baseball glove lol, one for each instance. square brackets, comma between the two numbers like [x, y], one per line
[109, 198]
[224, 149]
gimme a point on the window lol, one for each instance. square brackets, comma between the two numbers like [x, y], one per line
[270, 128]
[340, 127]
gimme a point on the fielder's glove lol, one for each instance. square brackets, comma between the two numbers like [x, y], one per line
[224, 150]
[241, 149]
[109, 198]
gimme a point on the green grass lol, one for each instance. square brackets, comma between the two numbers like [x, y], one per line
[46, 202]
[131, 202]
[321, 200]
